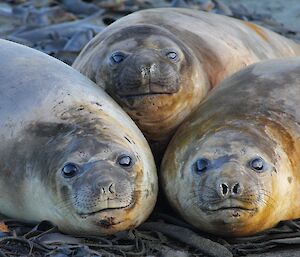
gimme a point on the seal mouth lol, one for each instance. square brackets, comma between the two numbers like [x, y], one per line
[139, 95]
[230, 209]
[233, 209]
[149, 90]
[85, 215]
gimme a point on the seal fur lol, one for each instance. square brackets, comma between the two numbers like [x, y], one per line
[232, 168]
[159, 64]
[69, 154]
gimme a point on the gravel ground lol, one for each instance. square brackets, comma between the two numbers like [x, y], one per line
[286, 12]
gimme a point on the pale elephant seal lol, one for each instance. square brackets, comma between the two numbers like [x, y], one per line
[232, 168]
[159, 64]
[69, 154]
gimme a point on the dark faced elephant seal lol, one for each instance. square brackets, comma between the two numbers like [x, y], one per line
[232, 168]
[68, 152]
[159, 64]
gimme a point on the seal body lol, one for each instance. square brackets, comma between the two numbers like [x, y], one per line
[232, 168]
[69, 154]
[158, 64]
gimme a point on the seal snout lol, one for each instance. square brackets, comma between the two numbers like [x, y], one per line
[148, 72]
[105, 186]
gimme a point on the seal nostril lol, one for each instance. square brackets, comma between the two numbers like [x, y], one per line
[224, 189]
[111, 188]
[236, 188]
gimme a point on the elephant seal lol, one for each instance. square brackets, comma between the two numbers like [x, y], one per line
[232, 168]
[158, 64]
[69, 154]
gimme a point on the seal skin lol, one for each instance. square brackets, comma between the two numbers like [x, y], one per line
[232, 168]
[158, 64]
[69, 154]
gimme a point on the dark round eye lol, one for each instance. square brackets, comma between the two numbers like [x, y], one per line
[172, 55]
[257, 164]
[117, 57]
[201, 165]
[125, 161]
[69, 170]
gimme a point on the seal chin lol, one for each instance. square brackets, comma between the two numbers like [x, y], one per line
[145, 102]
[106, 222]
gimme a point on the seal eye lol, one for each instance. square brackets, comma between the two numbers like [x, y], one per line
[172, 55]
[125, 161]
[201, 165]
[257, 164]
[117, 57]
[69, 170]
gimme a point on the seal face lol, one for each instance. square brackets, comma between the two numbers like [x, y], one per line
[233, 171]
[230, 182]
[79, 161]
[144, 71]
[145, 68]
[98, 180]
[159, 70]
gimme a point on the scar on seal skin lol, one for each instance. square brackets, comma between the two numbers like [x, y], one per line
[234, 170]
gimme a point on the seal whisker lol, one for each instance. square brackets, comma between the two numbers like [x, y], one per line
[198, 189]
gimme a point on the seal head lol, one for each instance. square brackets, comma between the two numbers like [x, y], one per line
[233, 167]
[149, 72]
[159, 64]
[93, 179]
[100, 182]
[229, 182]
[146, 64]
[69, 154]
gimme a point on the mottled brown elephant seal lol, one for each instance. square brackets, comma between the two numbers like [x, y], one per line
[68, 152]
[232, 168]
[159, 64]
